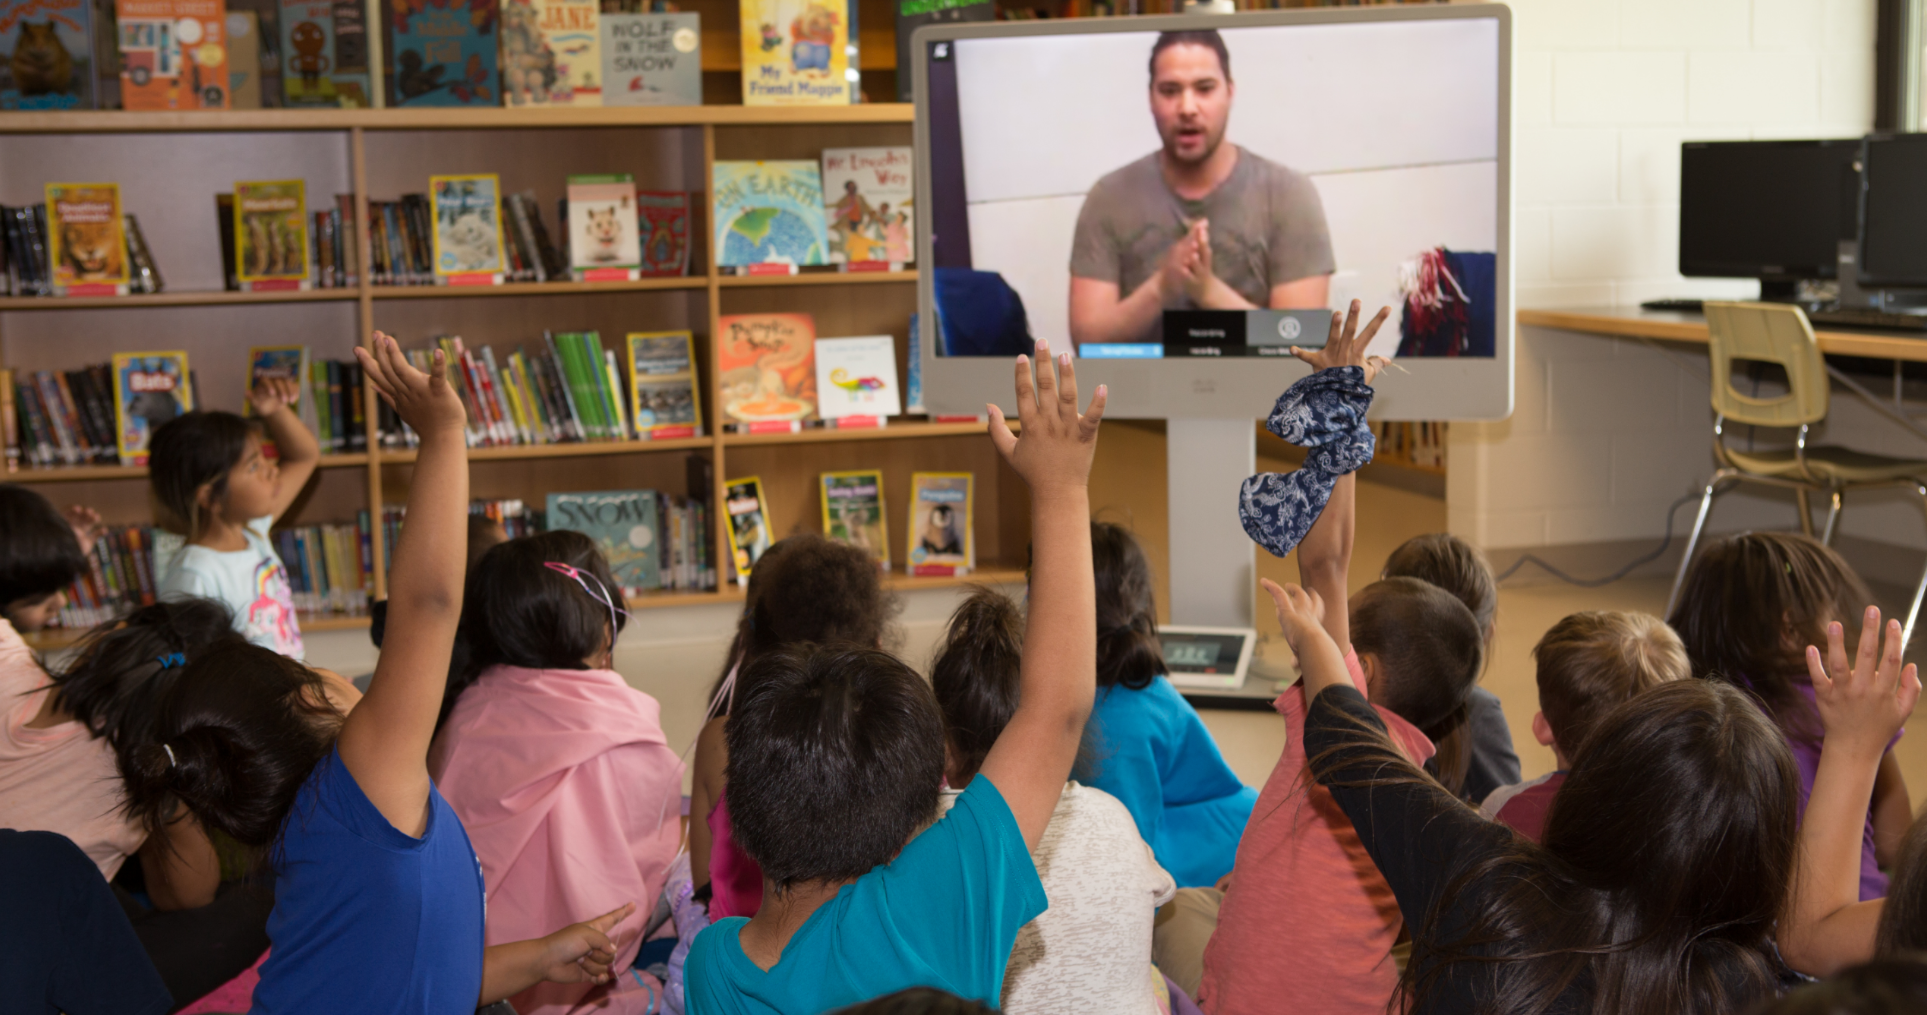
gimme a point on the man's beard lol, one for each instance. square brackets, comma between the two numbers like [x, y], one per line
[1211, 143]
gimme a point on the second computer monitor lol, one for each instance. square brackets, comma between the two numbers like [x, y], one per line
[1772, 210]
[1893, 212]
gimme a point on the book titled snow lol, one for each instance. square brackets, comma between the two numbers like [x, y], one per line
[623, 525]
[652, 59]
[868, 193]
[857, 377]
[769, 213]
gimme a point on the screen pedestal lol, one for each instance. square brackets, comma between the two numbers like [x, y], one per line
[1213, 570]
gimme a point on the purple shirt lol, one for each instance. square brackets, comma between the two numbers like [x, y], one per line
[1806, 754]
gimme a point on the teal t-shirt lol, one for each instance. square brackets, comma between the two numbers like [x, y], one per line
[943, 914]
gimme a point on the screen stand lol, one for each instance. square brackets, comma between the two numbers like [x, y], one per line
[1213, 570]
[1847, 275]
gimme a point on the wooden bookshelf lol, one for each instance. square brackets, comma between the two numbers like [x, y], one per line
[115, 121]
[83, 473]
[184, 298]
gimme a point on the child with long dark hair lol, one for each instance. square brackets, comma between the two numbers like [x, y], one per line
[1148, 746]
[42, 551]
[378, 897]
[557, 767]
[218, 490]
[1748, 609]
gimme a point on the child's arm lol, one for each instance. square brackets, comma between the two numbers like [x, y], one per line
[1893, 811]
[1058, 681]
[1325, 554]
[705, 788]
[274, 399]
[578, 953]
[384, 741]
[1861, 706]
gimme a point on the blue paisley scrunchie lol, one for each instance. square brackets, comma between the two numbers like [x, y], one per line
[1325, 413]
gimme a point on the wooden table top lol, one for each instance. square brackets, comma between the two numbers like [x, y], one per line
[1673, 326]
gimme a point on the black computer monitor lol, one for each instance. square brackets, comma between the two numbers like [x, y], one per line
[1772, 210]
[1893, 211]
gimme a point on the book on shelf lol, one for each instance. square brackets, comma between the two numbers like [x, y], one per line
[913, 371]
[468, 228]
[144, 276]
[748, 512]
[512, 514]
[623, 524]
[399, 241]
[120, 578]
[569, 389]
[853, 512]
[324, 54]
[604, 228]
[271, 234]
[173, 54]
[330, 567]
[869, 194]
[769, 213]
[86, 239]
[857, 377]
[441, 52]
[9, 422]
[254, 54]
[940, 531]
[1416, 443]
[535, 256]
[914, 14]
[150, 388]
[26, 265]
[56, 418]
[799, 52]
[280, 362]
[665, 402]
[663, 220]
[767, 370]
[327, 242]
[551, 52]
[652, 59]
[50, 54]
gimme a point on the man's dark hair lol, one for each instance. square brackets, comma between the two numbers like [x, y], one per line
[39, 554]
[1208, 38]
[835, 759]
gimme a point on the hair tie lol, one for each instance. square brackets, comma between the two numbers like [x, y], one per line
[171, 659]
[170, 755]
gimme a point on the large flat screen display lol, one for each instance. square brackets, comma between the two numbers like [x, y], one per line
[1180, 199]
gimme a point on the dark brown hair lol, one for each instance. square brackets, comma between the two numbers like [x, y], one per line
[1208, 38]
[1429, 650]
[188, 452]
[977, 674]
[39, 554]
[1454, 565]
[1590, 662]
[918, 1001]
[1749, 607]
[1128, 652]
[1903, 919]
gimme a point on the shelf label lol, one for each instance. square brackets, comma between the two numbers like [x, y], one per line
[607, 274]
[94, 289]
[855, 266]
[938, 570]
[770, 269]
[473, 278]
[775, 426]
[670, 433]
[859, 422]
[266, 285]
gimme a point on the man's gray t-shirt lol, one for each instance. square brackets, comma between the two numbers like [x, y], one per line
[1267, 227]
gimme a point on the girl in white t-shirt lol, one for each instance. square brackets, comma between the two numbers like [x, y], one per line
[208, 472]
[1091, 951]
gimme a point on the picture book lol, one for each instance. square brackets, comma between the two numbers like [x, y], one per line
[768, 367]
[173, 54]
[769, 213]
[868, 195]
[799, 53]
[243, 59]
[551, 52]
[940, 523]
[46, 54]
[87, 241]
[853, 512]
[150, 388]
[857, 377]
[468, 224]
[291, 362]
[663, 223]
[324, 54]
[749, 534]
[603, 223]
[914, 14]
[652, 59]
[623, 525]
[662, 384]
[271, 231]
[441, 52]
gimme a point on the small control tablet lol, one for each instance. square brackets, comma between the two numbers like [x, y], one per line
[1209, 657]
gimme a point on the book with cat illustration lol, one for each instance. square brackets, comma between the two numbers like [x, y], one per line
[663, 218]
[87, 243]
[551, 52]
[468, 227]
[324, 54]
[173, 54]
[603, 227]
[857, 377]
[652, 59]
[799, 52]
[868, 194]
[940, 523]
[623, 524]
[150, 388]
[46, 55]
[748, 513]
[662, 385]
[769, 213]
[853, 512]
[441, 52]
[271, 234]
[768, 370]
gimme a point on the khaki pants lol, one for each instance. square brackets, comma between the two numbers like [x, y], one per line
[1180, 932]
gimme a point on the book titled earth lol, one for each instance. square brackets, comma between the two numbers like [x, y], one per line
[769, 213]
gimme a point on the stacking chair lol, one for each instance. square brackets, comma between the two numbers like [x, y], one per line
[1779, 333]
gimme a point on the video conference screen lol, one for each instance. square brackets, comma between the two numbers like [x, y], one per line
[1212, 192]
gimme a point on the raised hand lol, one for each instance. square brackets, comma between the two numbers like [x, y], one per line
[1863, 704]
[1346, 345]
[1058, 442]
[1301, 612]
[271, 394]
[424, 401]
[87, 526]
[583, 952]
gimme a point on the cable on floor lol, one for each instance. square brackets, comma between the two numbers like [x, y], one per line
[1593, 583]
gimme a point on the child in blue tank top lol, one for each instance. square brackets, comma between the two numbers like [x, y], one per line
[378, 896]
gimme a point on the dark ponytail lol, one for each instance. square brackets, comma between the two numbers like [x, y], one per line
[111, 683]
[1128, 652]
[977, 675]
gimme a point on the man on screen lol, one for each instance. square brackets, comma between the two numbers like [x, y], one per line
[1198, 223]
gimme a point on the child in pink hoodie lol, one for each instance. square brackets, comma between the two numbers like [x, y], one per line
[558, 769]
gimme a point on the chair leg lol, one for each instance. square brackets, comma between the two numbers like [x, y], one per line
[1806, 511]
[1920, 590]
[1833, 518]
[1693, 541]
